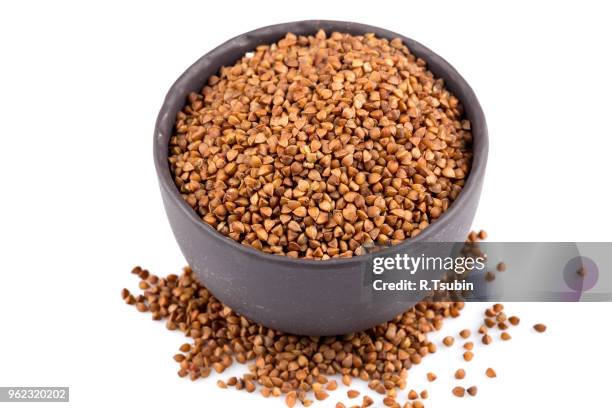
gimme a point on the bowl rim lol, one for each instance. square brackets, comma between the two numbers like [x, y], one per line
[451, 76]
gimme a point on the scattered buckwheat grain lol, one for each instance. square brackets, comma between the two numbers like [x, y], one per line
[540, 328]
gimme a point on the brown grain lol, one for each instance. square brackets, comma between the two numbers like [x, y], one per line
[540, 328]
[346, 380]
[514, 320]
[389, 402]
[490, 323]
[352, 394]
[291, 399]
[321, 395]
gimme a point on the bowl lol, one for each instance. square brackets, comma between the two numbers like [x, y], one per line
[308, 297]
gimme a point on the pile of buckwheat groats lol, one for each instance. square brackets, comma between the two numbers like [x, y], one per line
[303, 368]
[317, 145]
[296, 366]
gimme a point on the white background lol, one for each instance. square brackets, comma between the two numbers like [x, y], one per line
[80, 86]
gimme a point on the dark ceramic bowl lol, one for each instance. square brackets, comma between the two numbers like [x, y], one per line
[299, 296]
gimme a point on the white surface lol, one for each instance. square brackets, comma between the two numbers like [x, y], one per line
[80, 86]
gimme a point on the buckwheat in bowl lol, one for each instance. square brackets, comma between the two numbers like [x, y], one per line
[289, 154]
